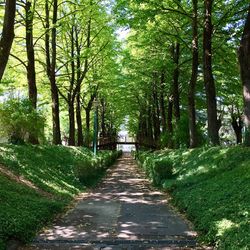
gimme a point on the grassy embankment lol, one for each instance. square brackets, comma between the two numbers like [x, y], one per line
[59, 173]
[212, 186]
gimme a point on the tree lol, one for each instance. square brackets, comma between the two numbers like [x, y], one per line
[19, 119]
[151, 82]
[51, 56]
[7, 34]
[237, 123]
[213, 123]
[244, 59]
[31, 69]
[193, 81]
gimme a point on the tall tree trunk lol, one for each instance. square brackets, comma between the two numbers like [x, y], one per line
[162, 104]
[55, 114]
[170, 122]
[103, 125]
[176, 94]
[7, 36]
[139, 135]
[79, 120]
[71, 113]
[87, 114]
[213, 126]
[237, 125]
[80, 139]
[193, 140]
[71, 98]
[147, 127]
[31, 71]
[244, 59]
[156, 111]
[51, 68]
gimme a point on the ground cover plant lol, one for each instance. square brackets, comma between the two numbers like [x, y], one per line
[212, 185]
[53, 170]
[23, 211]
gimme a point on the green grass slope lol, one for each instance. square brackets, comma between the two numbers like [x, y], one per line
[212, 185]
[54, 171]
[23, 211]
[50, 168]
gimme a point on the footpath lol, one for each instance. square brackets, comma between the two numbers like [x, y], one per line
[124, 213]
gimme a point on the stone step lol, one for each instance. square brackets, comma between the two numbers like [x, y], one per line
[113, 244]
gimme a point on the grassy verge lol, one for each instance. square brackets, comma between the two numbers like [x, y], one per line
[212, 185]
[23, 212]
[61, 172]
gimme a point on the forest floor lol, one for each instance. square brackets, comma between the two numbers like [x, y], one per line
[123, 212]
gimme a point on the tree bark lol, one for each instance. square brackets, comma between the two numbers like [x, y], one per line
[7, 36]
[87, 114]
[162, 104]
[87, 111]
[139, 135]
[31, 70]
[244, 59]
[80, 138]
[71, 113]
[237, 125]
[170, 122]
[51, 68]
[156, 111]
[71, 98]
[213, 126]
[79, 121]
[193, 140]
[147, 127]
[103, 114]
[176, 94]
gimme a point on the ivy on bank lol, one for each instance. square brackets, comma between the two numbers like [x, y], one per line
[60, 172]
[212, 186]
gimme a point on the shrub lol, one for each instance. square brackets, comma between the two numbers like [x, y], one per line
[163, 169]
[157, 169]
[90, 169]
[19, 120]
[86, 171]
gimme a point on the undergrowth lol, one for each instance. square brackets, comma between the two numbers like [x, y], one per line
[61, 172]
[212, 186]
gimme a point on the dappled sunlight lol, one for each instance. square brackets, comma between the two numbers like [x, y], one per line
[57, 188]
[62, 232]
[191, 233]
[128, 190]
[200, 170]
[48, 168]
[124, 207]
[203, 163]
[224, 225]
[135, 200]
[211, 184]
[127, 235]
[20, 179]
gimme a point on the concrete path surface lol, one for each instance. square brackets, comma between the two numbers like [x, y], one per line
[124, 212]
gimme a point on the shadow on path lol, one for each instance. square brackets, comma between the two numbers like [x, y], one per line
[124, 212]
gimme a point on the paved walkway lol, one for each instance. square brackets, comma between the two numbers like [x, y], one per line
[124, 212]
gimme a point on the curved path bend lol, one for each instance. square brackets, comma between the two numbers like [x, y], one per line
[124, 212]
